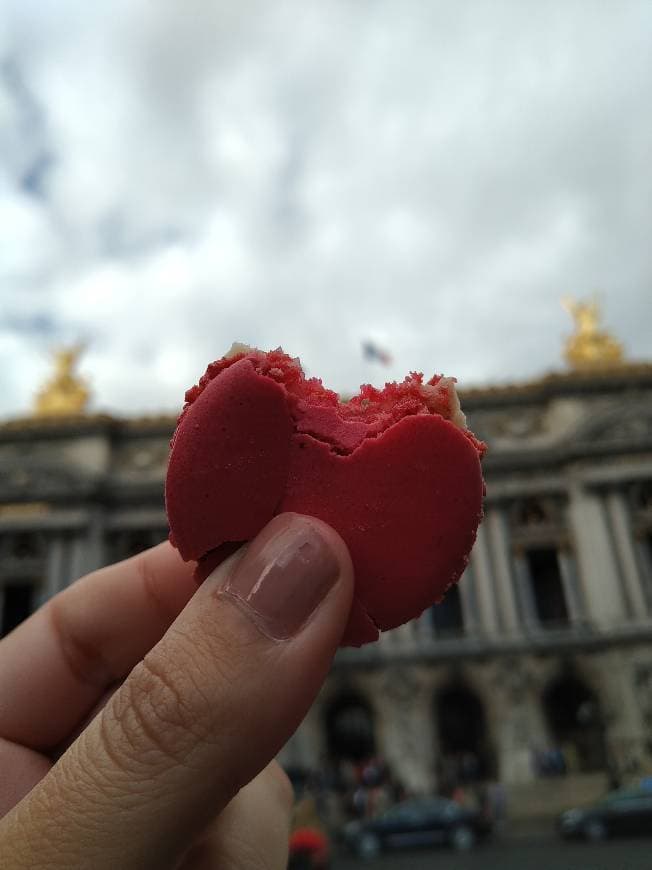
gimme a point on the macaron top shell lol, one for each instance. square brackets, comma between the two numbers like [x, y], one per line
[229, 461]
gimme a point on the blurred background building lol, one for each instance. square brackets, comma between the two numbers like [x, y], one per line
[536, 671]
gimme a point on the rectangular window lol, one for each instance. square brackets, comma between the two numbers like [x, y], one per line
[447, 617]
[645, 563]
[17, 603]
[547, 587]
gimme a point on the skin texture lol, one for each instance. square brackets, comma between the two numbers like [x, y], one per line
[400, 483]
[139, 715]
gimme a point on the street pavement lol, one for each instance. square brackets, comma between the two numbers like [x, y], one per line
[523, 853]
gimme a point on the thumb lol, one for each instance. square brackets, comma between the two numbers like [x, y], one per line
[204, 712]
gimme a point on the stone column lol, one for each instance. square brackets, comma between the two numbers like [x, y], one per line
[625, 681]
[77, 556]
[88, 550]
[404, 727]
[596, 559]
[484, 585]
[424, 631]
[400, 638]
[95, 546]
[572, 591]
[515, 719]
[497, 531]
[468, 599]
[523, 583]
[56, 578]
[513, 746]
[405, 635]
[624, 543]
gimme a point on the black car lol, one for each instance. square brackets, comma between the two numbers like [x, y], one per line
[417, 822]
[626, 812]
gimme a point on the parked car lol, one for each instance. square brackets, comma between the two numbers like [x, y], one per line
[625, 812]
[417, 822]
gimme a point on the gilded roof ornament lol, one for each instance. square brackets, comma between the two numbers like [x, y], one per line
[590, 347]
[65, 394]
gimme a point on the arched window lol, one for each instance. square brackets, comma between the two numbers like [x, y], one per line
[547, 587]
[447, 616]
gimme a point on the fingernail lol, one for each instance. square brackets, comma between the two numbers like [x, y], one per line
[284, 575]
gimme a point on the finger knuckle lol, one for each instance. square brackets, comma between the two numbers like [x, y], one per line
[159, 715]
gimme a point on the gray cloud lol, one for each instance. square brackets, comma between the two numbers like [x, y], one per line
[432, 176]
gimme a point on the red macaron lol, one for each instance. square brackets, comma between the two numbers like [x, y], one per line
[394, 471]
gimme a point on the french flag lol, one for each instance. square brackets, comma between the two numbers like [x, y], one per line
[372, 352]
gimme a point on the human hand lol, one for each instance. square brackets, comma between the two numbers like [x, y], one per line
[175, 770]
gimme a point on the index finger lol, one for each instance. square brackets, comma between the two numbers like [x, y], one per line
[57, 664]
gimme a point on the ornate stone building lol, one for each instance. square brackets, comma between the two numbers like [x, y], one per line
[546, 642]
[543, 646]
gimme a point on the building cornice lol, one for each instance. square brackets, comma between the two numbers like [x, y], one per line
[625, 376]
[34, 428]
[485, 648]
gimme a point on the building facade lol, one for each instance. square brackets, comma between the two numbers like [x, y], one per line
[540, 660]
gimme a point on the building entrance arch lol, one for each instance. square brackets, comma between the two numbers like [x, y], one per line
[575, 723]
[465, 756]
[350, 729]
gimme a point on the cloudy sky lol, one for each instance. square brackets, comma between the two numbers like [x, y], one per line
[434, 176]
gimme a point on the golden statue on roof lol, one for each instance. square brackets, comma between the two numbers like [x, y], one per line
[65, 393]
[590, 347]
